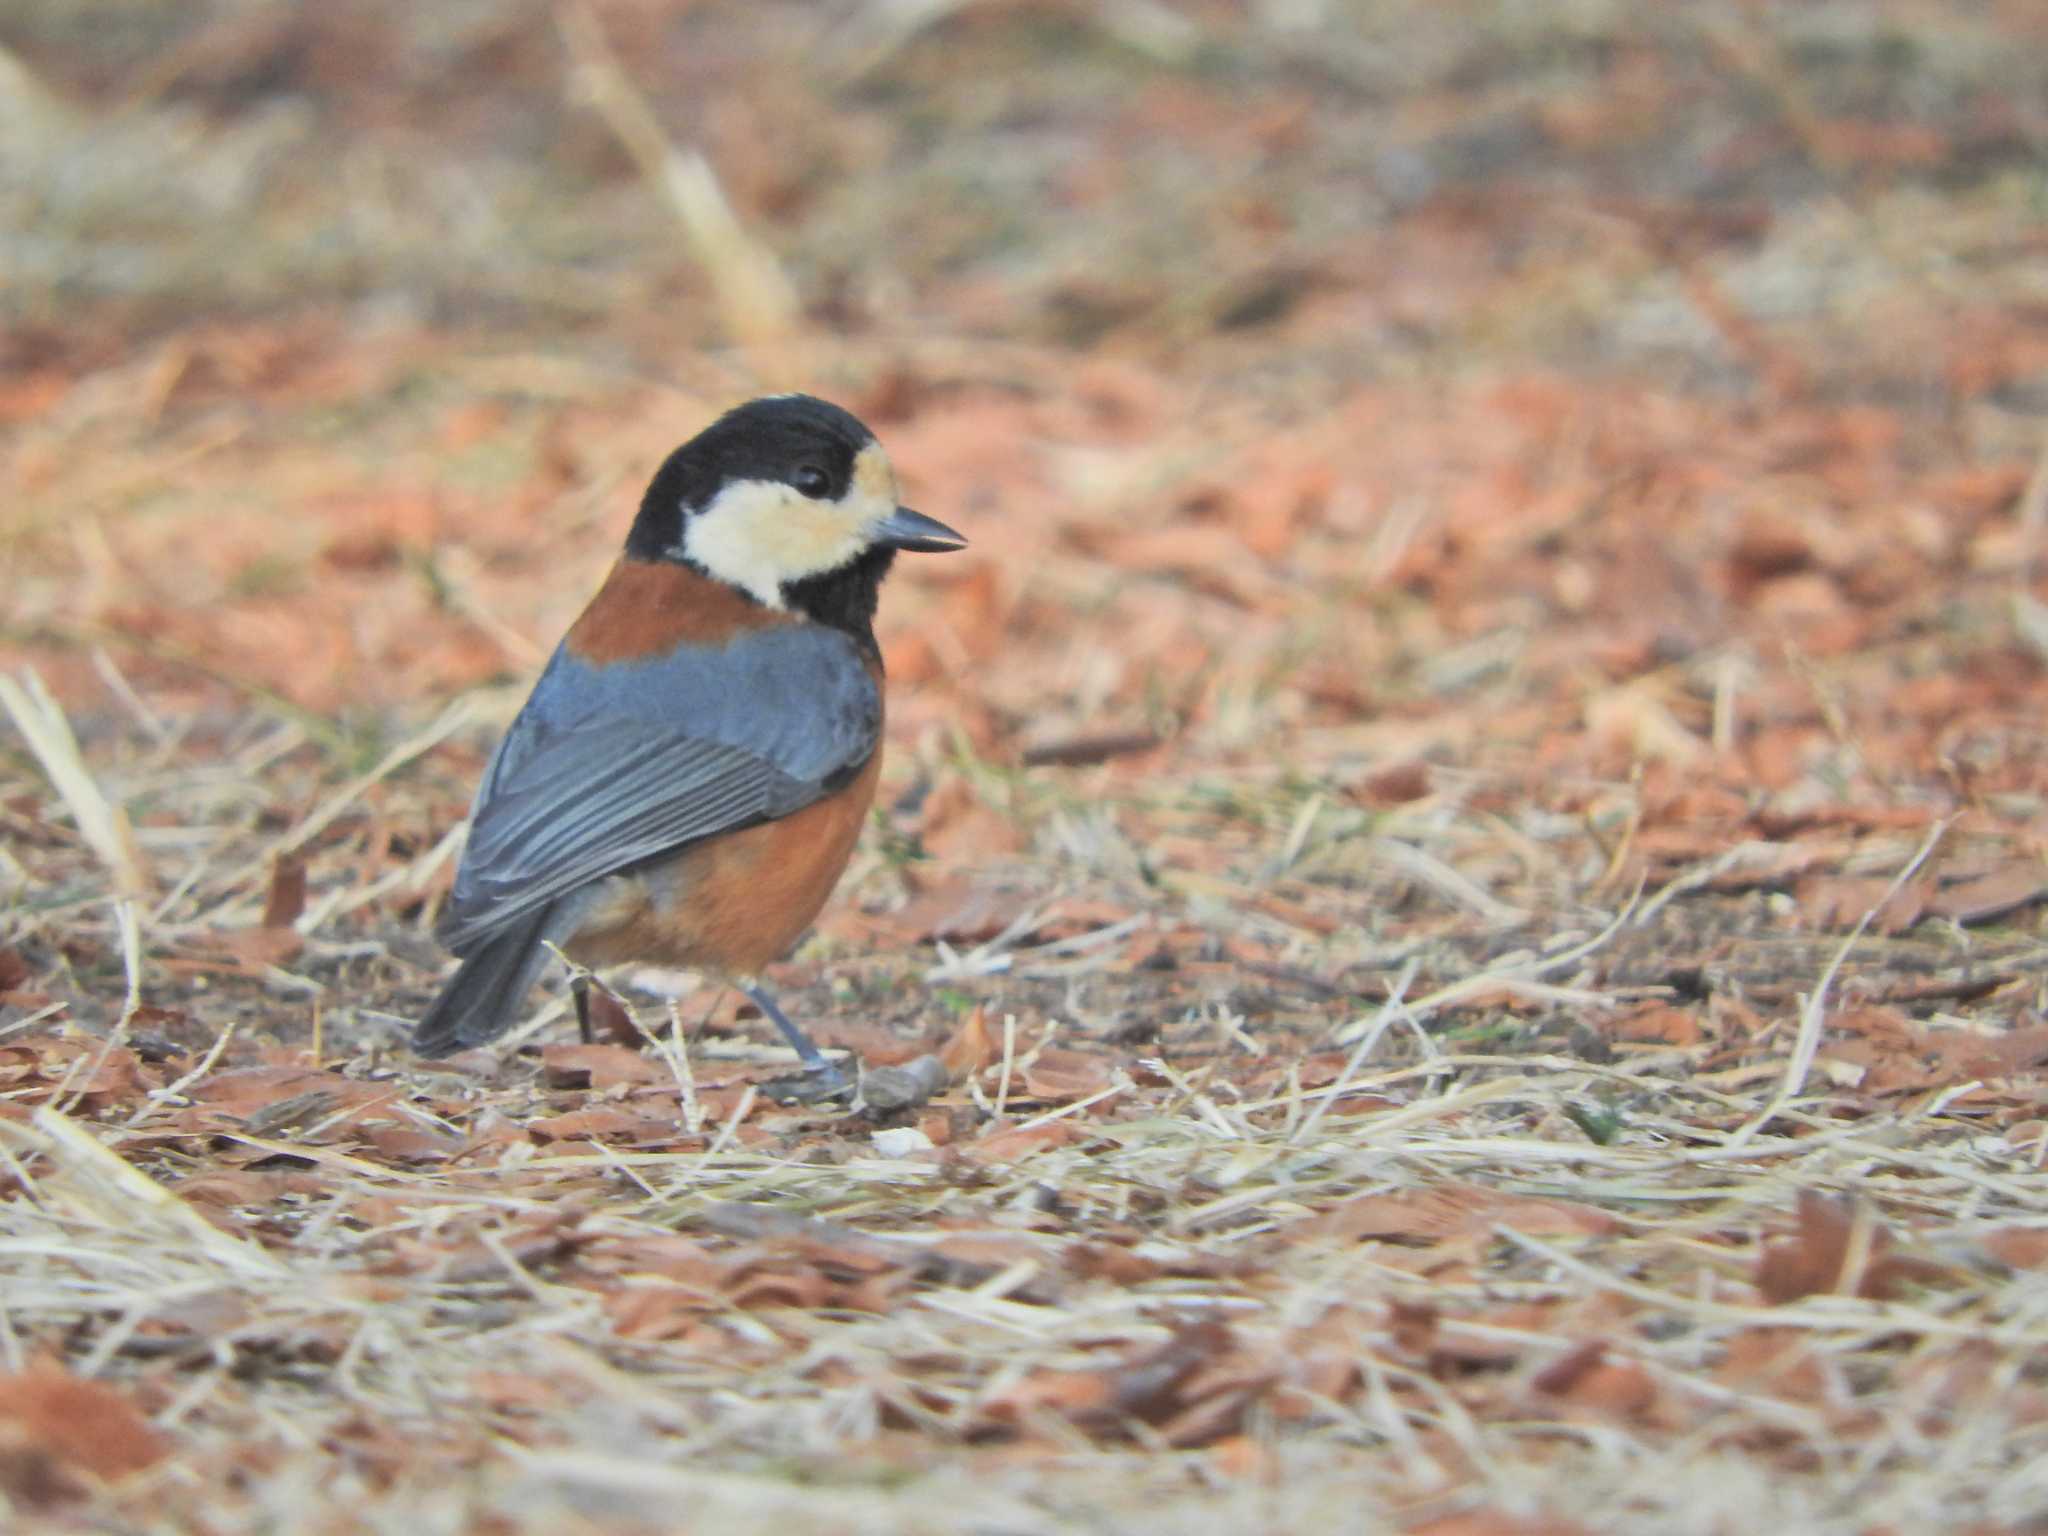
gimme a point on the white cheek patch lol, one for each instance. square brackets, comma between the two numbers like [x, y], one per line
[760, 535]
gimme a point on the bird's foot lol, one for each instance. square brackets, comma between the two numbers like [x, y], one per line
[819, 1080]
[813, 1085]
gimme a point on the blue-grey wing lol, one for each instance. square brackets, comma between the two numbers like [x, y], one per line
[608, 765]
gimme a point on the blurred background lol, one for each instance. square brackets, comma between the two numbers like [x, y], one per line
[1505, 542]
[1394, 364]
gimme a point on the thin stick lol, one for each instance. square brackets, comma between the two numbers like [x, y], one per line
[101, 821]
[678, 1057]
[161, 1096]
[131, 961]
[756, 298]
[1366, 1044]
[1009, 1062]
[1813, 1017]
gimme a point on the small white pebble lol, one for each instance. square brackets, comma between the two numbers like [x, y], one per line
[903, 1141]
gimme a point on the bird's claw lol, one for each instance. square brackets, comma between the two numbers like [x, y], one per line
[813, 1085]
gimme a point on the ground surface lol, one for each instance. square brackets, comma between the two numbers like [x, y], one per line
[1469, 832]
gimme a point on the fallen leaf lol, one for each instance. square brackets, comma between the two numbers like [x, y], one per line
[1838, 902]
[60, 1434]
[971, 1048]
[1658, 1022]
[411, 1144]
[1020, 1141]
[248, 1092]
[1142, 1384]
[2017, 1247]
[1243, 1458]
[961, 911]
[1991, 896]
[1781, 1361]
[287, 898]
[607, 1124]
[1059, 1076]
[1108, 1261]
[1835, 1245]
[249, 950]
[1413, 1326]
[519, 1392]
[1455, 1210]
[1588, 1378]
[599, 1067]
[1396, 785]
[660, 1311]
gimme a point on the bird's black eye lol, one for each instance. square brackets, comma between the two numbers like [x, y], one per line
[811, 480]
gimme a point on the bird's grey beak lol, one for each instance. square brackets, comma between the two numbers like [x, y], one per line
[914, 533]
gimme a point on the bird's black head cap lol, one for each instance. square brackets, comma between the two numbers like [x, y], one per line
[796, 440]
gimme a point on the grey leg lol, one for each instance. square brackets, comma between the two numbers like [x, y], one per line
[821, 1078]
[579, 990]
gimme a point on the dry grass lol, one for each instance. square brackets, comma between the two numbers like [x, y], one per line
[1282, 1261]
[1467, 834]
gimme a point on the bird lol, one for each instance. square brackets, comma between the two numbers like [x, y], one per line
[685, 784]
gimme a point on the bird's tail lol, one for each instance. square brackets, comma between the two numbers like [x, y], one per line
[478, 1003]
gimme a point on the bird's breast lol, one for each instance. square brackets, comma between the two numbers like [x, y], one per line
[732, 903]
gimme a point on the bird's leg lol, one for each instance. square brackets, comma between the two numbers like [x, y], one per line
[579, 990]
[821, 1079]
